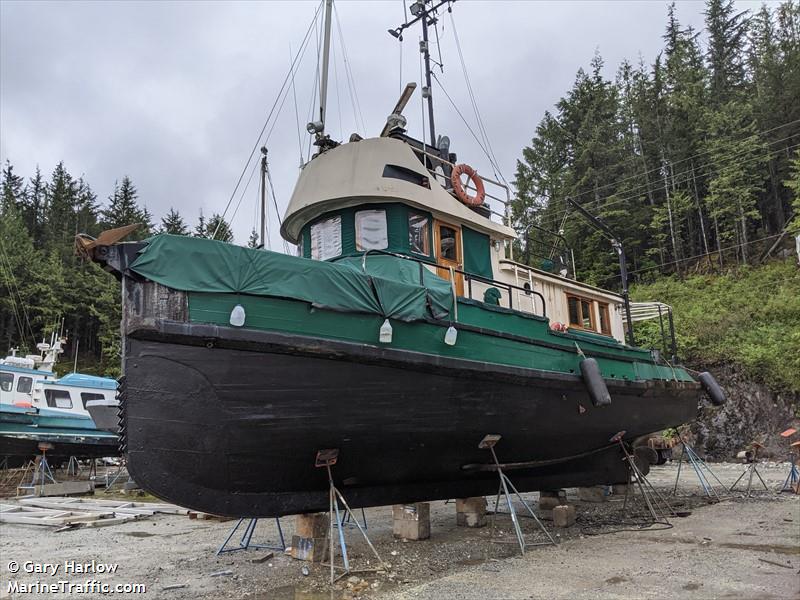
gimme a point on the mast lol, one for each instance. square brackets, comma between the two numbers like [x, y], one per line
[428, 91]
[422, 12]
[263, 237]
[326, 49]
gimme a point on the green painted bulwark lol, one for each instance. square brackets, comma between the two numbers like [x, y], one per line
[477, 253]
[529, 345]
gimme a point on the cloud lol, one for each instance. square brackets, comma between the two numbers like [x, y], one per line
[173, 94]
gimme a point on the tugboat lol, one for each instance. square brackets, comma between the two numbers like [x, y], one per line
[401, 335]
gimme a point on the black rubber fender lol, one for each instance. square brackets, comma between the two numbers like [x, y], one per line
[712, 388]
[594, 382]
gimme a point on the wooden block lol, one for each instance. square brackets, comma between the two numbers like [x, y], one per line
[313, 525]
[564, 515]
[310, 549]
[549, 499]
[66, 488]
[596, 493]
[471, 512]
[412, 521]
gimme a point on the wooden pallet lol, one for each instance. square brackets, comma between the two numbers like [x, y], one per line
[118, 507]
[32, 515]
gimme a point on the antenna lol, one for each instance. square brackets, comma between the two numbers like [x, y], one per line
[422, 13]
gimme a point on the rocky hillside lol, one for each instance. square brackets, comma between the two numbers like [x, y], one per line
[744, 327]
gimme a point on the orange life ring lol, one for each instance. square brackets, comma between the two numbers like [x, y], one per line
[459, 189]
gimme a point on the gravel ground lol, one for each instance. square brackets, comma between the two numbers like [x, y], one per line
[737, 548]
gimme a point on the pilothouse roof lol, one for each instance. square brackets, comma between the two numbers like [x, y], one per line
[356, 173]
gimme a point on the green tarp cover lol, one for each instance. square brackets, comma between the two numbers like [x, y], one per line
[390, 287]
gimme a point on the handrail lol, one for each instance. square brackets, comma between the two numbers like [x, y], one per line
[469, 277]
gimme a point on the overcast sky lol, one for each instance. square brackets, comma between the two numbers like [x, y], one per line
[174, 94]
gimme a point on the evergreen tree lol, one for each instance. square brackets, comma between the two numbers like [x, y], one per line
[11, 187]
[200, 228]
[253, 241]
[727, 36]
[173, 223]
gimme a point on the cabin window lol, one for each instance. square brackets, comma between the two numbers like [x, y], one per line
[580, 312]
[447, 243]
[326, 239]
[605, 322]
[419, 233]
[58, 398]
[371, 230]
[24, 385]
[6, 382]
[86, 396]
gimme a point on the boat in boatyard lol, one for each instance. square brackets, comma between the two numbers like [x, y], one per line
[36, 406]
[402, 334]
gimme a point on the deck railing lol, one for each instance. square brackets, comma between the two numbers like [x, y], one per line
[469, 278]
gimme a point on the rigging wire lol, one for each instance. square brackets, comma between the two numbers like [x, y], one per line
[266, 122]
[277, 211]
[241, 196]
[296, 114]
[318, 38]
[481, 127]
[336, 87]
[351, 80]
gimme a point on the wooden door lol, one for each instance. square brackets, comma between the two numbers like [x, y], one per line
[447, 239]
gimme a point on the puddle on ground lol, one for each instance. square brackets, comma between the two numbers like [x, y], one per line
[138, 534]
[617, 579]
[290, 592]
[764, 548]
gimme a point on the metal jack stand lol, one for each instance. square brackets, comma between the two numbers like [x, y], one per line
[327, 458]
[700, 469]
[657, 506]
[488, 443]
[750, 458]
[246, 542]
[73, 467]
[123, 468]
[42, 473]
[348, 518]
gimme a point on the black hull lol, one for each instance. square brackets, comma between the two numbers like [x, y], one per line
[229, 422]
[20, 450]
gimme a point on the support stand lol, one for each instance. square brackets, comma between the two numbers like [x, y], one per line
[488, 443]
[246, 542]
[751, 460]
[657, 506]
[123, 468]
[42, 473]
[348, 518]
[327, 458]
[73, 467]
[701, 469]
[792, 483]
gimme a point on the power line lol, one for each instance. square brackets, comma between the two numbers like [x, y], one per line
[699, 171]
[675, 262]
[656, 169]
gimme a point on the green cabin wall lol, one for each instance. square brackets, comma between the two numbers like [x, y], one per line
[476, 246]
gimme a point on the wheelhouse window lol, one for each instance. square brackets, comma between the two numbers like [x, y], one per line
[580, 312]
[58, 398]
[371, 230]
[86, 396]
[24, 385]
[605, 322]
[419, 233]
[326, 239]
[6, 382]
